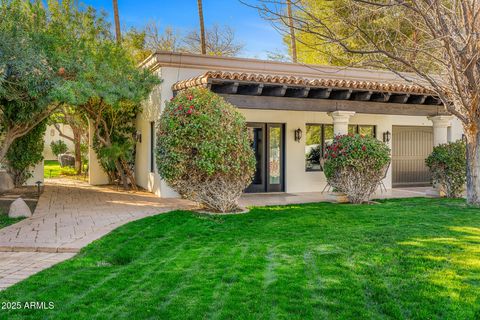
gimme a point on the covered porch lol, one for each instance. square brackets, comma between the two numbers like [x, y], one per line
[409, 118]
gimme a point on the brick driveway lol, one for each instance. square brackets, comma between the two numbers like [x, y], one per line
[69, 215]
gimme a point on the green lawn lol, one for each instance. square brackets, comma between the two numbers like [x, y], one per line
[52, 169]
[6, 221]
[401, 259]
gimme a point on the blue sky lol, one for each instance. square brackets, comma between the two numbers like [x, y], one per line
[258, 35]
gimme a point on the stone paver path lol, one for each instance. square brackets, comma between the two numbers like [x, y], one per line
[69, 215]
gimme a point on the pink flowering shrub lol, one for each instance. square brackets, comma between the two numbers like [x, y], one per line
[203, 150]
[355, 165]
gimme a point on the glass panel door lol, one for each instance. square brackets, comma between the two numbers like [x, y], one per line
[267, 142]
[275, 157]
[256, 132]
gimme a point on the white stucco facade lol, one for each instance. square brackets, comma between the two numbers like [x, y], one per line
[51, 134]
[171, 69]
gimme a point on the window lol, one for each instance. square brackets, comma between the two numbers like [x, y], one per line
[366, 130]
[318, 136]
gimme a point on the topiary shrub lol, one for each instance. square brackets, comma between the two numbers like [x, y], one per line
[58, 147]
[25, 153]
[355, 165]
[203, 149]
[448, 167]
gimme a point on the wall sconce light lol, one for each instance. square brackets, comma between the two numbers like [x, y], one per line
[464, 138]
[137, 136]
[298, 134]
[386, 136]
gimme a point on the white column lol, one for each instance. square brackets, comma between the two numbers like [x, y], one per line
[440, 128]
[340, 121]
[96, 175]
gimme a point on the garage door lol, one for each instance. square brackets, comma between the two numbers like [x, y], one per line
[410, 147]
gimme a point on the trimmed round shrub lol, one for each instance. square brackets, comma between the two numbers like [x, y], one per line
[448, 167]
[203, 149]
[355, 165]
[58, 147]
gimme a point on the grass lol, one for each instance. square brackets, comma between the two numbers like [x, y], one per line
[401, 259]
[6, 221]
[52, 169]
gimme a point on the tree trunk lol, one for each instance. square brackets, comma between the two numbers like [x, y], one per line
[116, 16]
[77, 141]
[292, 31]
[202, 28]
[473, 169]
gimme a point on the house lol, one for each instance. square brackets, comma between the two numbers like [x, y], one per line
[295, 109]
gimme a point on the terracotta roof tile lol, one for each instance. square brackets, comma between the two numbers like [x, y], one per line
[204, 79]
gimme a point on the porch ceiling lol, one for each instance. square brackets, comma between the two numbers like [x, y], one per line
[276, 92]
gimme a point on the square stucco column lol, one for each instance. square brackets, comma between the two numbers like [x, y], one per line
[96, 175]
[440, 128]
[340, 121]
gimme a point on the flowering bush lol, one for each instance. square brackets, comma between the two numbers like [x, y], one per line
[203, 149]
[448, 167]
[355, 165]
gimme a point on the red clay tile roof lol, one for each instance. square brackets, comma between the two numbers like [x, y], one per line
[204, 79]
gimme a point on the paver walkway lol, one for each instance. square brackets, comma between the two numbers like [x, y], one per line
[69, 215]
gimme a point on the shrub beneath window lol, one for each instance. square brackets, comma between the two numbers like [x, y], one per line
[355, 165]
[447, 164]
[203, 149]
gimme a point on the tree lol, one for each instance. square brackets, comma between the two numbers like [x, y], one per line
[293, 41]
[219, 42]
[29, 81]
[203, 44]
[25, 153]
[42, 49]
[77, 121]
[110, 91]
[447, 41]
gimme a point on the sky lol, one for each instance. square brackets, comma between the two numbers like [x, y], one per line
[257, 35]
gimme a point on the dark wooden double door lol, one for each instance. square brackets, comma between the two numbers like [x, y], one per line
[268, 144]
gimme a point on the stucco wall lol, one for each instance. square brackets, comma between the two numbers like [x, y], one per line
[51, 134]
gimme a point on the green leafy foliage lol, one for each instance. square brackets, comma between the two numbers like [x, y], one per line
[448, 166]
[203, 149]
[58, 147]
[355, 164]
[24, 153]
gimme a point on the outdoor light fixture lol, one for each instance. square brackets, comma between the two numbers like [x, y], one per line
[464, 138]
[386, 136]
[298, 135]
[137, 136]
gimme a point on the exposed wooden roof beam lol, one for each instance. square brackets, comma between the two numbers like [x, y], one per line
[229, 87]
[418, 99]
[362, 96]
[341, 94]
[399, 98]
[320, 93]
[251, 89]
[276, 91]
[297, 92]
[381, 96]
